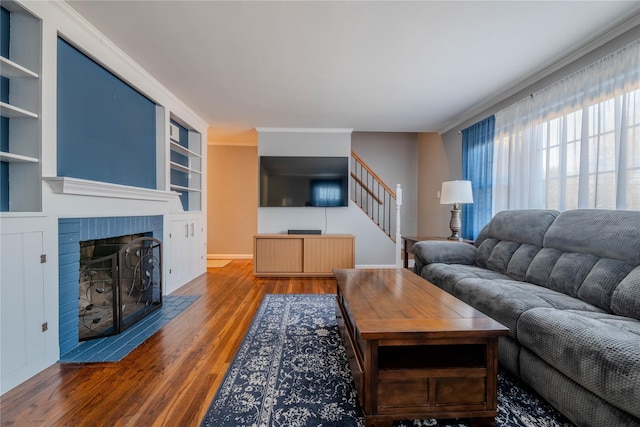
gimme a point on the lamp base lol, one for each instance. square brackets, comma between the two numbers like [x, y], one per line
[455, 223]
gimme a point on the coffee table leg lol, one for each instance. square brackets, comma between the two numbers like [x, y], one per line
[483, 422]
[377, 422]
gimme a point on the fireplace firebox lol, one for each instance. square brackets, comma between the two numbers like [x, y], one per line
[120, 284]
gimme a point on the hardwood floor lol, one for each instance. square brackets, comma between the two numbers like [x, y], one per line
[171, 378]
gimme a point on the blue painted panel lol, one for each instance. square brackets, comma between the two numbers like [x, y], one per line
[4, 186]
[179, 159]
[106, 129]
[4, 166]
[5, 26]
[4, 89]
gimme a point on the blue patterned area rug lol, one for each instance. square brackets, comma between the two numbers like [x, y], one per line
[292, 370]
[116, 347]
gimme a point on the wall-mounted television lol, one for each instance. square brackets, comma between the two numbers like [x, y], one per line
[304, 181]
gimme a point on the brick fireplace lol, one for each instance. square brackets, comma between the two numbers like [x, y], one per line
[73, 231]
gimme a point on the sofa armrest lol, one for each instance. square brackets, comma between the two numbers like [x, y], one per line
[441, 251]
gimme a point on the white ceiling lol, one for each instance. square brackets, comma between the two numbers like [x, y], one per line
[371, 66]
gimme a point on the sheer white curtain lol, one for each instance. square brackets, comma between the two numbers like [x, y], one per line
[574, 144]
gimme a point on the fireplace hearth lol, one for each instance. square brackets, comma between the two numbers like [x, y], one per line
[120, 283]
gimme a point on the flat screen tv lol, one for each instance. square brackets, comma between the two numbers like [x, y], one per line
[304, 181]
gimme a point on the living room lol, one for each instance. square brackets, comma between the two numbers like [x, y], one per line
[199, 192]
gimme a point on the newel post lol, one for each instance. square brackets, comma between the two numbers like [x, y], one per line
[398, 236]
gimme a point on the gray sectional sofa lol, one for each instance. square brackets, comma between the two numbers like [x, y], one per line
[567, 285]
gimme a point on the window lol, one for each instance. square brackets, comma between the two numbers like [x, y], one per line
[575, 144]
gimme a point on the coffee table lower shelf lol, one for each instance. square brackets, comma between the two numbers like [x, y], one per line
[415, 378]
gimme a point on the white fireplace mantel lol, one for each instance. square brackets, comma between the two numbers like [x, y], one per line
[84, 187]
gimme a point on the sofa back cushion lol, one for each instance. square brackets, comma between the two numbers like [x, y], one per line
[588, 254]
[511, 240]
[626, 298]
[603, 233]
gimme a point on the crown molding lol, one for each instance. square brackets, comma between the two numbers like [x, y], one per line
[304, 130]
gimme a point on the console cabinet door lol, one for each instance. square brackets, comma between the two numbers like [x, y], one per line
[322, 255]
[278, 255]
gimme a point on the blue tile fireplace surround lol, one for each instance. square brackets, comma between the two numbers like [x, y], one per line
[72, 231]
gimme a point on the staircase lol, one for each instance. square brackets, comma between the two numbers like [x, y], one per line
[373, 196]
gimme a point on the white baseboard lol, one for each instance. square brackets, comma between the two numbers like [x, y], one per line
[229, 256]
[365, 266]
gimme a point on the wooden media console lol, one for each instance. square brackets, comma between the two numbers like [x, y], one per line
[312, 255]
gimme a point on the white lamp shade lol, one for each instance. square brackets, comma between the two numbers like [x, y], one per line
[454, 192]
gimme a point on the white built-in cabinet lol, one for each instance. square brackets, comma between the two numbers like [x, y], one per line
[186, 250]
[23, 323]
[22, 68]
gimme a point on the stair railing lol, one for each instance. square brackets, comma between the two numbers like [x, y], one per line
[373, 196]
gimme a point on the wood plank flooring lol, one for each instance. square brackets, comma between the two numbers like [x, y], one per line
[171, 378]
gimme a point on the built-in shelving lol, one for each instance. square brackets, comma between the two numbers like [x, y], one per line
[13, 112]
[185, 163]
[181, 168]
[10, 69]
[17, 158]
[183, 150]
[20, 184]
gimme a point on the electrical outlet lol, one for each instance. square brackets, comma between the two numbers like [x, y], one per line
[438, 195]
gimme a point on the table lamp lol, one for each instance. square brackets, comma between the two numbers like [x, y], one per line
[455, 193]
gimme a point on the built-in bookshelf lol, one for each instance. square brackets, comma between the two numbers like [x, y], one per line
[186, 164]
[20, 65]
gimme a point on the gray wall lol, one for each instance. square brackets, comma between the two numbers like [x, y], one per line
[393, 157]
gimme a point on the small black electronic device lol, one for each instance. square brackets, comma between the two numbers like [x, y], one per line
[304, 231]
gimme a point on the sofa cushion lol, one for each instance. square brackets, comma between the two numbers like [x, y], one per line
[450, 252]
[501, 238]
[601, 282]
[520, 261]
[524, 226]
[625, 300]
[602, 233]
[569, 273]
[596, 350]
[446, 276]
[501, 255]
[587, 253]
[542, 265]
[506, 300]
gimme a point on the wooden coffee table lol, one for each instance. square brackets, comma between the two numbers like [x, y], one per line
[416, 351]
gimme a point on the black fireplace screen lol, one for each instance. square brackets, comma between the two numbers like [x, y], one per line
[120, 283]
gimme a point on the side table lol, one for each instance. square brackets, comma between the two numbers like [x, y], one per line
[408, 241]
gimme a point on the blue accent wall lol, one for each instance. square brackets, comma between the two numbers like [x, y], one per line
[72, 231]
[4, 89]
[106, 129]
[5, 23]
[4, 166]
